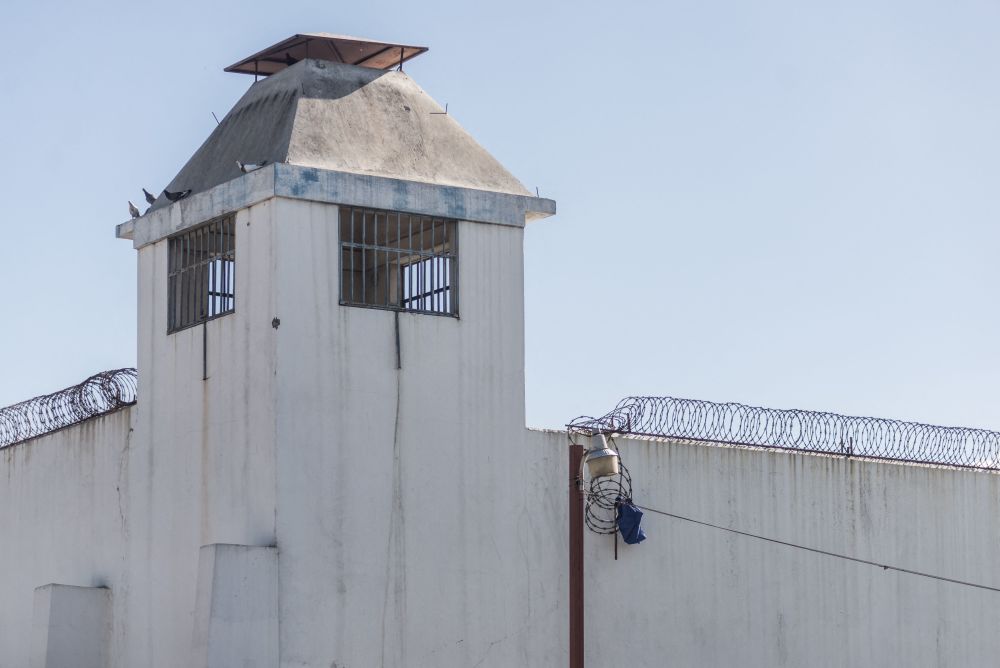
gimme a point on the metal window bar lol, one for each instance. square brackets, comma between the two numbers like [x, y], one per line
[201, 274]
[398, 261]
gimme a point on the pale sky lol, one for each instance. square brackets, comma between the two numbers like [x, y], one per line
[780, 203]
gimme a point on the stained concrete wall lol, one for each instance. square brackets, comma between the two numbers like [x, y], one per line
[418, 522]
[693, 596]
[411, 513]
[127, 501]
[404, 503]
[63, 518]
[381, 560]
[202, 463]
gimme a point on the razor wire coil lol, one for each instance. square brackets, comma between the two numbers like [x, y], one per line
[98, 395]
[807, 431]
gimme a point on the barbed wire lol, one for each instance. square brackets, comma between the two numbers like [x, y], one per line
[98, 395]
[603, 495]
[602, 499]
[808, 431]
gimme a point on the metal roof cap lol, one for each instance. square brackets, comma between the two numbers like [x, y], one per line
[326, 46]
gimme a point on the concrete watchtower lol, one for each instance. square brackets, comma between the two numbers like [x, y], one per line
[330, 359]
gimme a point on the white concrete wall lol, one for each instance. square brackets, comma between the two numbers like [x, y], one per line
[418, 523]
[236, 615]
[407, 507]
[127, 501]
[696, 596]
[63, 518]
[71, 627]
[202, 464]
[410, 519]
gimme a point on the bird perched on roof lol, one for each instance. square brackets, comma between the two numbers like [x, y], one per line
[173, 197]
[132, 210]
[247, 167]
[150, 197]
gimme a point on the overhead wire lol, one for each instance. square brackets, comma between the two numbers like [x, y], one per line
[815, 550]
[601, 502]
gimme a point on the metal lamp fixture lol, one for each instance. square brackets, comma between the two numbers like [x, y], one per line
[601, 460]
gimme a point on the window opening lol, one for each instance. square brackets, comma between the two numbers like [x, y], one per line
[201, 274]
[398, 261]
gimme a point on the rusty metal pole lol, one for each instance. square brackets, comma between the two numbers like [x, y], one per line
[575, 558]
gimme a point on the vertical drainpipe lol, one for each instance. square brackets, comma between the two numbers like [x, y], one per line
[575, 558]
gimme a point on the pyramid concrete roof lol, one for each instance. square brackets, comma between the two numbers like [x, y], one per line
[346, 118]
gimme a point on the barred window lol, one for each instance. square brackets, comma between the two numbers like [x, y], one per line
[201, 274]
[398, 261]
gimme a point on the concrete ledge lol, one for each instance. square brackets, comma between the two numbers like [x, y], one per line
[236, 608]
[320, 185]
[71, 627]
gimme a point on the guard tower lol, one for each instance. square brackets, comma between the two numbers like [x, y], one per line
[330, 353]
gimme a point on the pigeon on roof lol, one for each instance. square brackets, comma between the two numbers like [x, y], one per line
[247, 167]
[174, 197]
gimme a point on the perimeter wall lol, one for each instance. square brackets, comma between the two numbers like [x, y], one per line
[691, 595]
[63, 519]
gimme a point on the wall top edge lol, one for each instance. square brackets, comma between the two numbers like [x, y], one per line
[334, 187]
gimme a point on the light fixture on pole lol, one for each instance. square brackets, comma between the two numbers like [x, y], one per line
[601, 460]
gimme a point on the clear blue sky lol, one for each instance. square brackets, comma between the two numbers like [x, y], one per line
[777, 203]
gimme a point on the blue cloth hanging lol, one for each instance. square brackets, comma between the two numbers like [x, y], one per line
[629, 519]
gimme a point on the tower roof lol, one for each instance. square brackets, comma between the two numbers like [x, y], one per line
[340, 117]
[326, 46]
